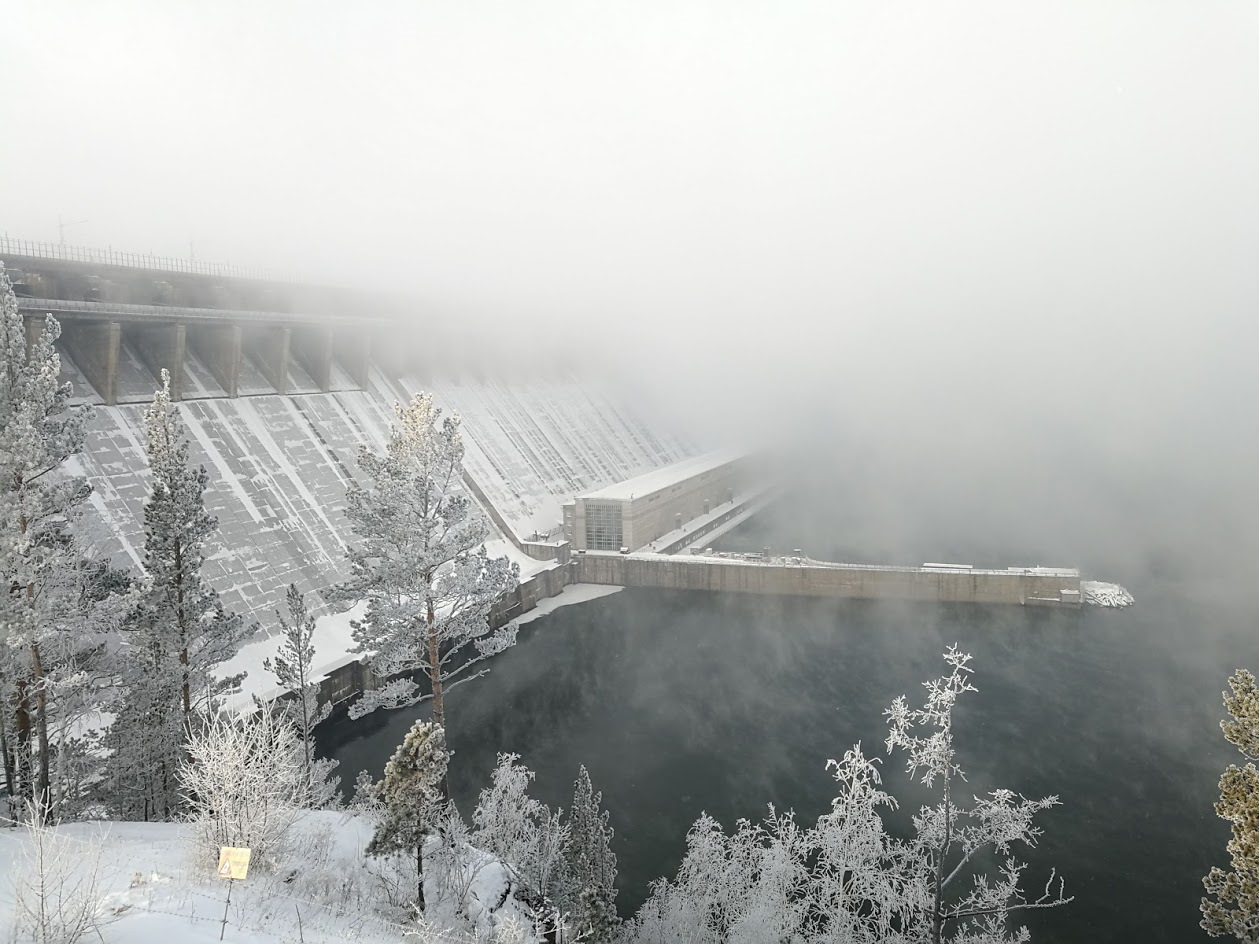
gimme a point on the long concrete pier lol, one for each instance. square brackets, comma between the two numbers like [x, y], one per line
[800, 576]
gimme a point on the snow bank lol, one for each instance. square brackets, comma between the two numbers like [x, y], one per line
[150, 891]
[1097, 593]
[333, 644]
[574, 593]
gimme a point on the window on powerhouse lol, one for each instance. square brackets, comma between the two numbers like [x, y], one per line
[603, 526]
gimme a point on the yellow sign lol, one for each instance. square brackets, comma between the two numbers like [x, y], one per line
[233, 863]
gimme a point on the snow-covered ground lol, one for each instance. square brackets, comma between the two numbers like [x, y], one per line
[333, 642]
[151, 890]
[574, 593]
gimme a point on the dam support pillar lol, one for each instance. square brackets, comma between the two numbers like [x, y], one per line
[354, 347]
[219, 346]
[162, 347]
[34, 328]
[390, 353]
[272, 352]
[313, 347]
[94, 348]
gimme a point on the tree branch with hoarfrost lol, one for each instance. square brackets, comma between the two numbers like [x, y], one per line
[421, 565]
[847, 879]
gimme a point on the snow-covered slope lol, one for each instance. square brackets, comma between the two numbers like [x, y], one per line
[150, 890]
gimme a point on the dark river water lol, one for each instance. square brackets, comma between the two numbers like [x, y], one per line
[680, 703]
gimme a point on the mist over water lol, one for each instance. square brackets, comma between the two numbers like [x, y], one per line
[680, 703]
[980, 277]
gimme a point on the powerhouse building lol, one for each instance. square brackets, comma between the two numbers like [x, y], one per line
[634, 513]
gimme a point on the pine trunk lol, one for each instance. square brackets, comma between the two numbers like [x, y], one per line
[22, 751]
[435, 676]
[44, 786]
[419, 871]
[10, 786]
[435, 667]
[937, 912]
[181, 621]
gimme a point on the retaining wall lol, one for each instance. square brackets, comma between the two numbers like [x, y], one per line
[1033, 587]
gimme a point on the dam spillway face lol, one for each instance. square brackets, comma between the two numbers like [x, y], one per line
[279, 467]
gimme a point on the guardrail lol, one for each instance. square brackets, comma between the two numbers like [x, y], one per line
[135, 260]
[69, 306]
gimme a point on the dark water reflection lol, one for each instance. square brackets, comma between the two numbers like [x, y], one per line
[680, 703]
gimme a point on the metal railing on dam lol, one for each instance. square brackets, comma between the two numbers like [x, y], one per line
[800, 576]
[36, 249]
[63, 308]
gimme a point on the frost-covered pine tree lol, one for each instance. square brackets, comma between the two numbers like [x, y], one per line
[39, 430]
[588, 885]
[178, 632]
[411, 797]
[293, 669]
[848, 879]
[201, 634]
[1231, 904]
[81, 612]
[421, 565]
[77, 607]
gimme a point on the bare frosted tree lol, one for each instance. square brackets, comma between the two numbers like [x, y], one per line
[244, 784]
[422, 566]
[950, 836]
[57, 886]
[523, 833]
[847, 879]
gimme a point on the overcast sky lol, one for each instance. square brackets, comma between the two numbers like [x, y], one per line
[908, 204]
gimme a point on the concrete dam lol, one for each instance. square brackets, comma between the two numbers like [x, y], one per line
[277, 403]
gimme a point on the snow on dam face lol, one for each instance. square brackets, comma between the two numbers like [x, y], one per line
[279, 466]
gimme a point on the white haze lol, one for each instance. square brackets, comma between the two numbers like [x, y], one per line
[998, 256]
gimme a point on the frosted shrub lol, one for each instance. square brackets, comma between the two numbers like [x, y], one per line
[244, 782]
[56, 887]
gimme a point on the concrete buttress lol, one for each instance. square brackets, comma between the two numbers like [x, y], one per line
[94, 348]
[161, 347]
[313, 347]
[219, 346]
